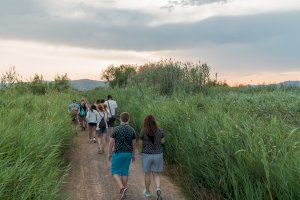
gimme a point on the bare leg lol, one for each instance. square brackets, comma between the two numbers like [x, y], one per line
[118, 180]
[147, 180]
[94, 131]
[101, 141]
[99, 144]
[124, 180]
[109, 131]
[156, 179]
[90, 132]
[84, 124]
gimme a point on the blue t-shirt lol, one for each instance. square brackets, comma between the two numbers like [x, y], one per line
[123, 135]
[73, 106]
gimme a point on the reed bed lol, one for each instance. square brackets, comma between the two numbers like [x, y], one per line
[35, 133]
[238, 144]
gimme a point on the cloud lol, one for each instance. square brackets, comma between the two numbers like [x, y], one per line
[128, 30]
[268, 40]
[175, 3]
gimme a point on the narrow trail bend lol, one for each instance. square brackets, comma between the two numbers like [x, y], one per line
[89, 178]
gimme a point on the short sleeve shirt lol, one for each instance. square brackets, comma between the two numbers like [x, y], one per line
[123, 135]
[111, 106]
[73, 106]
[153, 146]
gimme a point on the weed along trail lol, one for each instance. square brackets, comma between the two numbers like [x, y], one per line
[90, 179]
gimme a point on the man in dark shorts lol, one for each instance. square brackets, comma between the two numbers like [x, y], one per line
[123, 139]
[112, 108]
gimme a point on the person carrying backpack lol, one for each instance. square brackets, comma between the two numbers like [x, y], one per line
[112, 107]
[73, 110]
[93, 118]
[101, 128]
[82, 115]
[152, 139]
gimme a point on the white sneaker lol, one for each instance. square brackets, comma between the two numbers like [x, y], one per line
[94, 140]
[147, 193]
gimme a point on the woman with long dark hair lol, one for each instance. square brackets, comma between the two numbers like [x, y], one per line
[152, 139]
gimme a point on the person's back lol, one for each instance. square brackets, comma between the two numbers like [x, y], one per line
[152, 144]
[73, 106]
[92, 116]
[112, 106]
[152, 154]
[123, 135]
[123, 140]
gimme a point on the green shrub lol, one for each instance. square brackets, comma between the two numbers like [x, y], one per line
[61, 83]
[169, 75]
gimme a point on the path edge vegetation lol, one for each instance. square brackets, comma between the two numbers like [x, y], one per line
[35, 136]
[243, 141]
[249, 135]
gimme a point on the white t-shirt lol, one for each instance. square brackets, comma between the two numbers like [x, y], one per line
[92, 116]
[111, 105]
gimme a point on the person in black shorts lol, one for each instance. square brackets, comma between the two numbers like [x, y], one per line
[112, 108]
[93, 118]
[82, 115]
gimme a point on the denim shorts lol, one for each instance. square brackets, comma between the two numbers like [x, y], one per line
[152, 162]
[101, 131]
[120, 163]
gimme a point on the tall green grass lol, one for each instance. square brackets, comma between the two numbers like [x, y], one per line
[35, 131]
[240, 144]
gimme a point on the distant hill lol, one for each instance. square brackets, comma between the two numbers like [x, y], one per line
[290, 83]
[87, 84]
[284, 84]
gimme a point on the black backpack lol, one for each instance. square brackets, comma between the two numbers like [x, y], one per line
[102, 123]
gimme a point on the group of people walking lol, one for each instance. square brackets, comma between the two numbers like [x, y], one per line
[122, 141]
[98, 118]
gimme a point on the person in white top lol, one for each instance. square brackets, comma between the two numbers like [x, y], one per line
[112, 107]
[92, 118]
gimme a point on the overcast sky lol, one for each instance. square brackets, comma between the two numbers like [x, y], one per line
[245, 41]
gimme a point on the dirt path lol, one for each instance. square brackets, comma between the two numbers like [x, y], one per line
[89, 177]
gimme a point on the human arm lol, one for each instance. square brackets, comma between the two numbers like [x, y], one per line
[110, 147]
[87, 115]
[133, 149]
[162, 140]
[116, 106]
[98, 118]
[106, 119]
[133, 145]
[69, 108]
[141, 141]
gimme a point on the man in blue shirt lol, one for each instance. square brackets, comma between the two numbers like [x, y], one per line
[73, 106]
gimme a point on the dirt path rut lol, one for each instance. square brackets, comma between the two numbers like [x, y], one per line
[89, 177]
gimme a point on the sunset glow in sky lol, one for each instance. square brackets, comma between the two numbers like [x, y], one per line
[245, 41]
